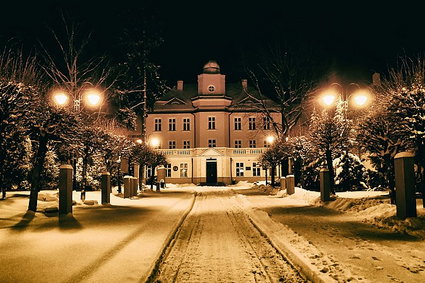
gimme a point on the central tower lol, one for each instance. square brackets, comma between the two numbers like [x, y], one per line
[211, 82]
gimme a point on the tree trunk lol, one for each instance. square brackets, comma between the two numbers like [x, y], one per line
[272, 175]
[36, 172]
[331, 169]
[141, 174]
[3, 192]
[153, 177]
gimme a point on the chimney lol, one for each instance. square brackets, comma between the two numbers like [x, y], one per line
[179, 85]
[376, 79]
[244, 84]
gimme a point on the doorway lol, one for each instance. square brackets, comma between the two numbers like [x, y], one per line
[211, 171]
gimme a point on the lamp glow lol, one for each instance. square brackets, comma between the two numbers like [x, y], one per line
[61, 98]
[154, 142]
[270, 139]
[361, 99]
[328, 99]
[139, 141]
[93, 98]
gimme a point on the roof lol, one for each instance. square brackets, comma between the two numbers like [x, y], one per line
[182, 99]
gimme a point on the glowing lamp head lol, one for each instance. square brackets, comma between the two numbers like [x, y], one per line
[270, 139]
[139, 141]
[328, 99]
[61, 98]
[360, 99]
[154, 142]
[93, 98]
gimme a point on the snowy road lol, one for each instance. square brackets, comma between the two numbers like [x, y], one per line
[218, 243]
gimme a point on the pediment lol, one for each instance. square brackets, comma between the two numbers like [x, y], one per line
[249, 100]
[211, 152]
[175, 101]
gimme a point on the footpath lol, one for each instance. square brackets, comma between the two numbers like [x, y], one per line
[120, 242]
[355, 238]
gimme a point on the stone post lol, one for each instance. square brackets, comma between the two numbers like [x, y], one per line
[290, 184]
[290, 165]
[65, 189]
[161, 173]
[325, 185]
[283, 183]
[127, 186]
[105, 185]
[405, 185]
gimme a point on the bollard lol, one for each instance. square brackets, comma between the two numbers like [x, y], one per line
[290, 165]
[127, 186]
[65, 189]
[134, 184]
[405, 185]
[105, 185]
[325, 185]
[290, 184]
[283, 183]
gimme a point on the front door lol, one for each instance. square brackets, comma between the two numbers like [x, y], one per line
[211, 171]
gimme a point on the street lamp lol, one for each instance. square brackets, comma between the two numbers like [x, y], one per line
[270, 139]
[358, 98]
[154, 142]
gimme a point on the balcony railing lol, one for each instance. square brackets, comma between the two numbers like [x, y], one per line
[223, 150]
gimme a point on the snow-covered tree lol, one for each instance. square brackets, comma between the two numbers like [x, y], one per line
[330, 133]
[350, 173]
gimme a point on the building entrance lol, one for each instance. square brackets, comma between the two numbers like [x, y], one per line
[211, 171]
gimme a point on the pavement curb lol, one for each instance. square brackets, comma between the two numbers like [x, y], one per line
[162, 252]
[265, 225]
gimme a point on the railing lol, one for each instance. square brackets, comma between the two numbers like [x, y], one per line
[223, 150]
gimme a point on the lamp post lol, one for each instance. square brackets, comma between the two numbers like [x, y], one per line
[352, 95]
[91, 97]
[119, 174]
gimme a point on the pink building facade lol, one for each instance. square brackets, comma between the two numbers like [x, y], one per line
[211, 132]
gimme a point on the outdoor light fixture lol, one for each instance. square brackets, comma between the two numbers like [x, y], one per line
[328, 99]
[93, 98]
[139, 141]
[154, 142]
[270, 139]
[60, 98]
[360, 98]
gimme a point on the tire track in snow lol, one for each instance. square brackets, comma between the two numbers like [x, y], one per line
[218, 243]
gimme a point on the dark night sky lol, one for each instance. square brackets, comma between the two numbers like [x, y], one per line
[357, 37]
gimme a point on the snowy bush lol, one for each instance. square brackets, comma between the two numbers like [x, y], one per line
[350, 173]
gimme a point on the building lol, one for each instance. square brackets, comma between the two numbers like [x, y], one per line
[212, 132]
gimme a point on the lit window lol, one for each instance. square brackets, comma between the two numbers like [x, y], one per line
[212, 143]
[238, 124]
[168, 171]
[171, 144]
[157, 125]
[186, 144]
[238, 143]
[266, 123]
[256, 169]
[239, 169]
[148, 171]
[172, 124]
[183, 170]
[251, 123]
[211, 88]
[252, 143]
[186, 124]
[211, 123]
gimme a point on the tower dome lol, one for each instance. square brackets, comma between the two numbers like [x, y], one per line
[211, 67]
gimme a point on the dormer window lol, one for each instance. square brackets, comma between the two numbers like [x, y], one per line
[211, 88]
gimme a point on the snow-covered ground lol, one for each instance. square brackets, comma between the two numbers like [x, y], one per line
[353, 238]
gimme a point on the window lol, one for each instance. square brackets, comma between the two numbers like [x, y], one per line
[251, 123]
[172, 124]
[157, 125]
[239, 169]
[266, 143]
[211, 123]
[211, 88]
[186, 144]
[266, 123]
[183, 170]
[252, 143]
[256, 169]
[238, 143]
[238, 124]
[186, 124]
[212, 143]
[148, 171]
[168, 170]
[171, 144]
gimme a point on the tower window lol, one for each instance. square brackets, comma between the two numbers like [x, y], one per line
[212, 143]
[211, 123]
[211, 88]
